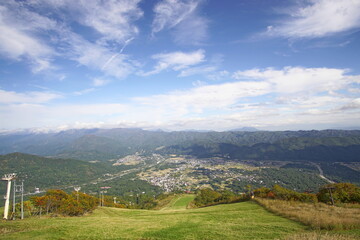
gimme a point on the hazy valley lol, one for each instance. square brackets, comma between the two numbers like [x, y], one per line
[156, 161]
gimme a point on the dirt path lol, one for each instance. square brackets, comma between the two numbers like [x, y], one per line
[321, 173]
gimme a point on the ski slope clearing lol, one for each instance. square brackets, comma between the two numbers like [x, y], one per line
[245, 220]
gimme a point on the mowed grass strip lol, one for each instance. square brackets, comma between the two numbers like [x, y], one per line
[245, 220]
[180, 203]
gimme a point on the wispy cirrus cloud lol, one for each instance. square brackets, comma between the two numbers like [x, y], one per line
[95, 56]
[210, 69]
[84, 91]
[41, 32]
[113, 20]
[182, 16]
[318, 18]
[18, 39]
[176, 61]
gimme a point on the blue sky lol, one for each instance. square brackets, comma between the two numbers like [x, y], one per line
[180, 64]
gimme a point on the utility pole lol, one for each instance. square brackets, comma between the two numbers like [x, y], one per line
[8, 178]
[22, 199]
[104, 190]
[14, 201]
[331, 196]
[102, 198]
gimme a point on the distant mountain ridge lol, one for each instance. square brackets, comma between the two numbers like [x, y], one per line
[105, 144]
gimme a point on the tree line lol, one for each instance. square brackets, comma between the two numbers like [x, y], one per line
[336, 193]
[59, 203]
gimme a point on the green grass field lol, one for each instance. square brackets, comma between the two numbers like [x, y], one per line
[180, 202]
[245, 220]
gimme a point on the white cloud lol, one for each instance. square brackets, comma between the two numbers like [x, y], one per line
[261, 98]
[39, 32]
[319, 18]
[200, 99]
[298, 79]
[192, 31]
[169, 13]
[18, 39]
[209, 70]
[95, 56]
[7, 97]
[351, 105]
[218, 75]
[176, 61]
[288, 98]
[114, 20]
[182, 15]
[39, 115]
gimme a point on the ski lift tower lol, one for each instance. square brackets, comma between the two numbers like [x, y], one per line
[8, 177]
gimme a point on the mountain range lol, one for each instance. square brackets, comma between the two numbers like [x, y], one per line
[106, 144]
[158, 160]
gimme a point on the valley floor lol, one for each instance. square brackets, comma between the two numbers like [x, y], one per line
[245, 220]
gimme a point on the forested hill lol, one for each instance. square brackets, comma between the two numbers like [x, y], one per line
[105, 144]
[48, 172]
[338, 149]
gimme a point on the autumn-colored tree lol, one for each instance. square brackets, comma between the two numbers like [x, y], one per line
[278, 192]
[59, 202]
[341, 193]
[262, 192]
[206, 197]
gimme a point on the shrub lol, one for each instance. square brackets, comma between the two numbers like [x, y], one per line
[59, 202]
[263, 192]
[341, 192]
[208, 197]
[278, 192]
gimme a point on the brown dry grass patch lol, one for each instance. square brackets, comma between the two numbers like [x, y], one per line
[319, 236]
[316, 215]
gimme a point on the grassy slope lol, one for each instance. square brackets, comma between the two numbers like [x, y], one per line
[245, 220]
[179, 202]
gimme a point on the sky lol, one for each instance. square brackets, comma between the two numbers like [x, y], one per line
[180, 64]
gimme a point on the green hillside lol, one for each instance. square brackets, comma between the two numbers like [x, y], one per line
[245, 220]
[179, 202]
[50, 172]
[325, 149]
